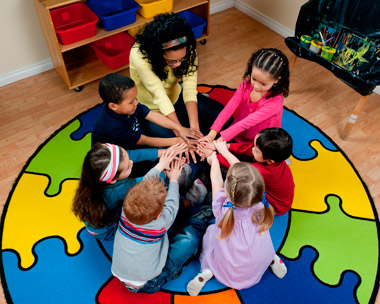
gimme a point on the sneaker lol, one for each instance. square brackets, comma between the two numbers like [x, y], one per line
[205, 214]
[184, 179]
[196, 193]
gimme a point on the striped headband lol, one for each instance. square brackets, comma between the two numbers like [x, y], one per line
[110, 172]
[175, 42]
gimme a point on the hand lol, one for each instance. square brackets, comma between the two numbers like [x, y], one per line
[178, 148]
[165, 160]
[204, 151]
[191, 149]
[221, 146]
[176, 167]
[189, 133]
[212, 157]
[209, 137]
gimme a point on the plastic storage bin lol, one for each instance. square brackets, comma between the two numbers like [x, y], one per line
[149, 9]
[197, 23]
[114, 50]
[114, 13]
[74, 22]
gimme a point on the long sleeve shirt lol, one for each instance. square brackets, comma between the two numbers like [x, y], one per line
[140, 251]
[251, 117]
[159, 95]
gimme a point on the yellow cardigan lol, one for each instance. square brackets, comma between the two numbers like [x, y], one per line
[158, 95]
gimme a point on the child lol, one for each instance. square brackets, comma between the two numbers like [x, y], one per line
[122, 119]
[270, 149]
[104, 183]
[238, 248]
[259, 98]
[142, 258]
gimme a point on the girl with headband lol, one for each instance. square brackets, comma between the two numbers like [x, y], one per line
[237, 249]
[164, 54]
[105, 181]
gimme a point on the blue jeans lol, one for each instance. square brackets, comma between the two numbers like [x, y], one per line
[208, 111]
[183, 246]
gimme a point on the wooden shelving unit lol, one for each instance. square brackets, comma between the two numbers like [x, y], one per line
[76, 63]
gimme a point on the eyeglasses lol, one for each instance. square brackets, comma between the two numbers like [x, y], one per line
[173, 62]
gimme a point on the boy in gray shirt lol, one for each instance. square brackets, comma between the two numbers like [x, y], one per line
[143, 259]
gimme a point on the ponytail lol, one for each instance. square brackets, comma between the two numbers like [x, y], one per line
[263, 218]
[227, 224]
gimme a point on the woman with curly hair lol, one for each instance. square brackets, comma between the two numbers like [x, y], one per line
[164, 55]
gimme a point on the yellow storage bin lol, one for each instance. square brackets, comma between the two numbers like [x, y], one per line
[149, 9]
[133, 31]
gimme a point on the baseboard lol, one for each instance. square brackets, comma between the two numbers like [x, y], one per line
[263, 19]
[26, 72]
[221, 6]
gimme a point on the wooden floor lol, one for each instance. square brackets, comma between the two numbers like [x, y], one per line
[32, 109]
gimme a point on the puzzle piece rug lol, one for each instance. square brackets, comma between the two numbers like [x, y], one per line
[329, 240]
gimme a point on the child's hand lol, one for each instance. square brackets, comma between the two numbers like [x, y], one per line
[221, 146]
[209, 137]
[176, 167]
[212, 157]
[178, 148]
[189, 133]
[165, 160]
[204, 151]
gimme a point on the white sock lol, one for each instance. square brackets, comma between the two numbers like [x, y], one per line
[195, 285]
[278, 267]
[196, 193]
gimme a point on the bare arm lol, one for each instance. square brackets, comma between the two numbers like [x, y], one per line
[158, 141]
[222, 147]
[215, 174]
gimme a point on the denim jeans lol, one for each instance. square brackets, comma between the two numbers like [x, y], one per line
[183, 246]
[208, 111]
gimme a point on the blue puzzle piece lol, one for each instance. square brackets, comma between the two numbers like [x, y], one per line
[68, 279]
[300, 285]
[87, 121]
[302, 131]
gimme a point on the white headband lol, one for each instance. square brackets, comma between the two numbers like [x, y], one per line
[110, 172]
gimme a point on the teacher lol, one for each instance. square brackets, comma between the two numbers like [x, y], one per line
[163, 64]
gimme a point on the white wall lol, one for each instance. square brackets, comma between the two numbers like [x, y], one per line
[22, 41]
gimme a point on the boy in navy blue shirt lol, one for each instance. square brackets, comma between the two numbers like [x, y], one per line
[122, 119]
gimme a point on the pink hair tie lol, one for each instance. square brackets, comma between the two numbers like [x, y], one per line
[110, 171]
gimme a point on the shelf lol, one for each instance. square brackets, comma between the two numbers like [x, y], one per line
[178, 6]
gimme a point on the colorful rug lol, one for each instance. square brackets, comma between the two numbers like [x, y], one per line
[329, 240]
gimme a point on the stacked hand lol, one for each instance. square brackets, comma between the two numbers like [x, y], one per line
[176, 167]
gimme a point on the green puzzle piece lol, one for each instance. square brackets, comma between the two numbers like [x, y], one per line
[61, 158]
[343, 243]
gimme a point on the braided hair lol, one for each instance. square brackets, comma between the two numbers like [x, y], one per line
[276, 64]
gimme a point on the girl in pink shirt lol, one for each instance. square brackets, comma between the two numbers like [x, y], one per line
[258, 100]
[237, 249]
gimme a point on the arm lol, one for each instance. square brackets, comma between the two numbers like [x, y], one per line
[266, 110]
[222, 148]
[215, 174]
[143, 154]
[228, 110]
[158, 141]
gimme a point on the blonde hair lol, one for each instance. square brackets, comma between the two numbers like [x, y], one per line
[145, 201]
[245, 188]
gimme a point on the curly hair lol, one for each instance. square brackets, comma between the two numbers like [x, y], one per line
[145, 201]
[113, 86]
[245, 188]
[88, 204]
[164, 28]
[274, 62]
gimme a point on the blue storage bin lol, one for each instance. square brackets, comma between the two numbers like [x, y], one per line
[114, 13]
[197, 23]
